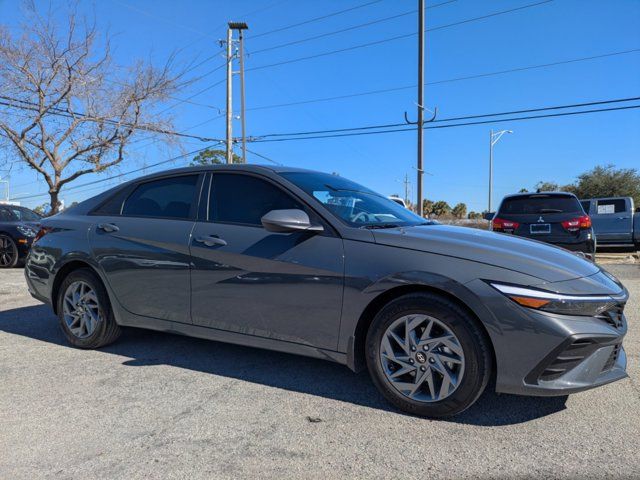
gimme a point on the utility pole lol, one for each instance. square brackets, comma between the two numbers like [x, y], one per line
[494, 137]
[229, 91]
[406, 188]
[242, 107]
[419, 170]
[240, 26]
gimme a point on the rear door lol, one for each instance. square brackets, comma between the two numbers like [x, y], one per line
[612, 220]
[140, 238]
[285, 286]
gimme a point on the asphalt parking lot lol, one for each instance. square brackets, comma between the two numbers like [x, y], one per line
[162, 406]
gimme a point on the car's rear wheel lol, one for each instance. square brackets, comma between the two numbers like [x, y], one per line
[8, 252]
[427, 355]
[85, 312]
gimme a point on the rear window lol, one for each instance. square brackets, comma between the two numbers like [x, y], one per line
[611, 206]
[537, 204]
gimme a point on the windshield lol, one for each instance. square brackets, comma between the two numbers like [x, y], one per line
[14, 213]
[537, 204]
[354, 204]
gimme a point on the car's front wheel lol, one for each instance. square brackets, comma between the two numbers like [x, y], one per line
[427, 355]
[85, 312]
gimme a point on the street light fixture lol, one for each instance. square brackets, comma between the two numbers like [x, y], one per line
[494, 137]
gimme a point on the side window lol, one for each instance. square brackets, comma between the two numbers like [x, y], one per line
[168, 198]
[245, 199]
[586, 205]
[5, 215]
[611, 206]
[113, 206]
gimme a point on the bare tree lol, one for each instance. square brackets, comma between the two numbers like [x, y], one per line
[63, 109]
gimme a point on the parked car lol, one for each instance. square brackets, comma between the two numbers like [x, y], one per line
[552, 217]
[314, 264]
[616, 222]
[18, 227]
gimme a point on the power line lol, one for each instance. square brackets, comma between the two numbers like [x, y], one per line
[94, 182]
[32, 106]
[450, 119]
[316, 19]
[397, 37]
[264, 157]
[448, 80]
[409, 128]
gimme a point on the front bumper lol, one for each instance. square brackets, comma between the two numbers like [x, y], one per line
[545, 354]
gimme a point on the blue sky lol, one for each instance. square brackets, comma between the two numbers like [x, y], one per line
[456, 158]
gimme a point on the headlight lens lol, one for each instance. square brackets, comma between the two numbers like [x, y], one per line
[586, 305]
[26, 231]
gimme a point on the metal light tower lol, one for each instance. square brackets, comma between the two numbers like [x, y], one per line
[494, 137]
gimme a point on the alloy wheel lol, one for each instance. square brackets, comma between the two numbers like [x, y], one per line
[81, 309]
[422, 358]
[8, 252]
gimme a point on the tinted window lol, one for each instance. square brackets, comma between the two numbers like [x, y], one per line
[113, 206]
[169, 197]
[245, 199]
[611, 206]
[536, 204]
[354, 204]
[6, 215]
[586, 205]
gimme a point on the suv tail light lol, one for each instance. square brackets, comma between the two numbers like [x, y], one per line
[41, 233]
[576, 224]
[502, 225]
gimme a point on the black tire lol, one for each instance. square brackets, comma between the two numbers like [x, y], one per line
[477, 354]
[8, 252]
[107, 330]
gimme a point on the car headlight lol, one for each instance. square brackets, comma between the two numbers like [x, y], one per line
[27, 231]
[587, 305]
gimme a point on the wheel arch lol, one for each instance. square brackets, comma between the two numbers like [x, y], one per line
[356, 354]
[63, 272]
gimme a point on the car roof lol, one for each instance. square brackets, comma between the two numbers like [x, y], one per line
[251, 168]
[541, 194]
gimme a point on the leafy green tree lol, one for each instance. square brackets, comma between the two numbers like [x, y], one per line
[441, 208]
[212, 156]
[474, 216]
[523, 190]
[460, 210]
[608, 181]
[547, 186]
[427, 207]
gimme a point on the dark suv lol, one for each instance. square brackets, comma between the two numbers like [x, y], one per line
[552, 217]
[18, 227]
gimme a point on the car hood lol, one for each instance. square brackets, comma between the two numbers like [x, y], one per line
[537, 259]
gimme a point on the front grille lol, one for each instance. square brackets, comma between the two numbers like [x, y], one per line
[568, 358]
[614, 316]
[613, 358]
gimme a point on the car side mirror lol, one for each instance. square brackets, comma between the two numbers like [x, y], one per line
[286, 221]
[488, 215]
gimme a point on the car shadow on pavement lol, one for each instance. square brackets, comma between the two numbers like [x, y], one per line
[275, 369]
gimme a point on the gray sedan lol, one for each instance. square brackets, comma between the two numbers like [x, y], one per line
[314, 264]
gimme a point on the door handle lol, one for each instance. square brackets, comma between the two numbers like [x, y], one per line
[211, 240]
[108, 227]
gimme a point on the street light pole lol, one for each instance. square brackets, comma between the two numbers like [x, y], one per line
[494, 137]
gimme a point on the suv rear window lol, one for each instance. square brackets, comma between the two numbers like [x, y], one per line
[537, 204]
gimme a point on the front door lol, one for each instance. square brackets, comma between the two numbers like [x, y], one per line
[143, 246]
[285, 286]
